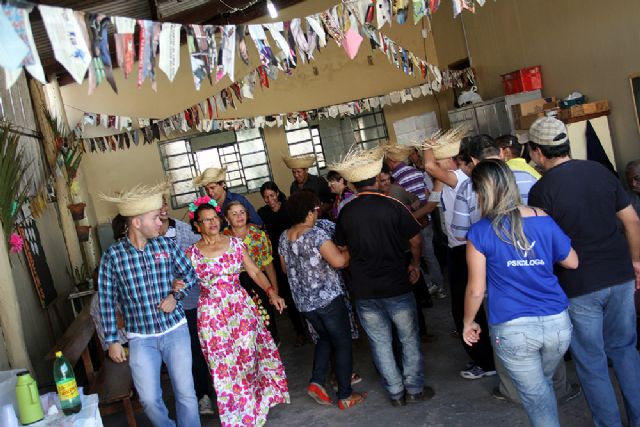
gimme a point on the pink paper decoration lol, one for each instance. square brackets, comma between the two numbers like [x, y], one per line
[351, 42]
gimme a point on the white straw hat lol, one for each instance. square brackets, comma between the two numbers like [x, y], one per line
[397, 153]
[138, 200]
[210, 175]
[359, 165]
[303, 161]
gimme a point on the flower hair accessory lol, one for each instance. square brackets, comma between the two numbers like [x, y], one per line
[202, 201]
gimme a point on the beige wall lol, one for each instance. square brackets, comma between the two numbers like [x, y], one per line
[582, 45]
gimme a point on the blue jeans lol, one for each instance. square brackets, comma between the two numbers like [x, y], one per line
[530, 349]
[146, 356]
[604, 324]
[429, 255]
[378, 318]
[334, 332]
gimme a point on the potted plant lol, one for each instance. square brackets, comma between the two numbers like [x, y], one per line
[81, 278]
[77, 210]
[83, 232]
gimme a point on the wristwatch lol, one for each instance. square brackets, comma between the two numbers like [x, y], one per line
[177, 295]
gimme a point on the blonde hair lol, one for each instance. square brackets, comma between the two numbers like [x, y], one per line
[498, 200]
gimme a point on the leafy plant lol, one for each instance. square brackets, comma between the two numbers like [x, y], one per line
[80, 274]
[13, 169]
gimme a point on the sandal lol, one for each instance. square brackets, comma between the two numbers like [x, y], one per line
[352, 400]
[319, 394]
[355, 379]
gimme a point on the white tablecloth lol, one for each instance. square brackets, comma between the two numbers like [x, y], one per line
[89, 416]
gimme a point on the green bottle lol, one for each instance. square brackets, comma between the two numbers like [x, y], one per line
[66, 385]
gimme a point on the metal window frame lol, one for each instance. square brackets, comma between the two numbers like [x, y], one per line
[380, 123]
[318, 148]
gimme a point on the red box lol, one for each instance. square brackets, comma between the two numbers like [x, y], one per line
[523, 80]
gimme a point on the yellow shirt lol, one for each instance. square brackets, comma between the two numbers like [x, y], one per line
[521, 165]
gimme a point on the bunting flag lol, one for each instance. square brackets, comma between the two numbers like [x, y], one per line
[169, 58]
[203, 51]
[242, 44]
[98, 26]
[300, 40]
[262, 45]
[419, 10]
[383, 12]
[228, 52]
[123, 37]
[315, 26]
[65, 34]
[19, 20]
[149, 40]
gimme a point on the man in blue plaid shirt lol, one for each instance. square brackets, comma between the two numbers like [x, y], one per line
[138, 271]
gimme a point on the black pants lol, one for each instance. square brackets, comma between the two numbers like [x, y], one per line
[481, 352]
[202, 379]
[334, 338]
[284, 290]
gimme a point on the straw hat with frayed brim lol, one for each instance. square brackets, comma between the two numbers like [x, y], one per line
[303, 161]
[445, 145]
[138, 200]
[397, 153]
[359, 165]
[210, 175]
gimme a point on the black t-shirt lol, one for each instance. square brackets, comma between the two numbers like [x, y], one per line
[583, 197]
[376, 229]
[318, 185]
[275, 223]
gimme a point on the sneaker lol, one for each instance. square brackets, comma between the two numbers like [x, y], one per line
[440, 294]
[475, 373]
[436, 291]
[497, 394]
[205, 406]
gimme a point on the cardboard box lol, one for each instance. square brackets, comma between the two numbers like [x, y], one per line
[525, 122]
[583, 109]
[534, 106]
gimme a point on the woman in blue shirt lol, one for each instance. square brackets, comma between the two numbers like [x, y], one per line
[510, 254]
[311, 259]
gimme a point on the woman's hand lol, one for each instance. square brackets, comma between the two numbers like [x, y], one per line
[471, 333]
[277, 302]
[178, 284]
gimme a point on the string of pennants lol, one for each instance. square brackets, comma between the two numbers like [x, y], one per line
[80, 40]
[199, 116]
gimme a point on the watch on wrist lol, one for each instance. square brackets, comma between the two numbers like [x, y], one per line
[177, 295]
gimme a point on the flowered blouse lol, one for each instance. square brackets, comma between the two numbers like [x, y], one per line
[258, 246]
[314, 283]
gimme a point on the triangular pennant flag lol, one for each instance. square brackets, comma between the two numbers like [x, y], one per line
[71, 52]
[98, 36]
[333, 27]
[351, 42]
[149, 40]
[228, 55]
[262, 45]
[419, 10]
[169, 58]
[242, 44]
[19, 18]
[300, 39]
[201, 42]
[123, 37]
[383, 12]
[316, 26]
[279, 39]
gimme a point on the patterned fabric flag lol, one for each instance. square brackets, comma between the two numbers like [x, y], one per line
[19, 19]
[242, 44]
[260, 39]
[65, 35]
[315, 25]
[300, 39]
[169, 58]
[228, 52]
[383, 12]
[202, 49]
[98, 26]
[419, 10]
[123, 37]
[149, 40]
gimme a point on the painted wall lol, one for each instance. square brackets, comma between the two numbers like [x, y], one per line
[582, 45]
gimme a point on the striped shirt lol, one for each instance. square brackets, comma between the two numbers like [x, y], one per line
[139, 280]
[526, 177]
[465, 209]
[411, 179]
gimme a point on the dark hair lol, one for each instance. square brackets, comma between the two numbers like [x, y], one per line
[483, 146]
[300, 204]
[335, 176]
[270, 185]
[553, 151]
[196, 215]
[366, 183]
[386, 169]
[119, 226]
[463, 153]
[511, 143]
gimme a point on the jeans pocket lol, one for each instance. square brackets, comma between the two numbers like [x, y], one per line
[510, 344]
[564, 339]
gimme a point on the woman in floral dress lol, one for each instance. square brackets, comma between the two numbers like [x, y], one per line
[248, 375]
[260, 251]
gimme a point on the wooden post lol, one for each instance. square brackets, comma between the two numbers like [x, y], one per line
[10, 319]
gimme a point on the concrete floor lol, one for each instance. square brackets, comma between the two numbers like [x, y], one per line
[458, 402]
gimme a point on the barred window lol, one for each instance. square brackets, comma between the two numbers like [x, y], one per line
[369, 129]
[243, 153]
[306, 140]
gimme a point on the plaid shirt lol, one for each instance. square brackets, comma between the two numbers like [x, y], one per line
[139, 280]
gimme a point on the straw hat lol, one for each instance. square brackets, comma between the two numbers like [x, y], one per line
[359, 165]
[303, 161]
[210, 175]
[138, 200]
[446, 145]
[397, 153]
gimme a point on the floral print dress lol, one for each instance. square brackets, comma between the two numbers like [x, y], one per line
[248, 374]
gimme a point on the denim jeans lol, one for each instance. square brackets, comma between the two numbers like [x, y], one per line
[334, 332]
[429, 255]
[378, 318]
[146, 357]
[530, 349]
[604, 324]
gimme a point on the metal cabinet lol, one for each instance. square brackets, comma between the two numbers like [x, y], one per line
[488, 117]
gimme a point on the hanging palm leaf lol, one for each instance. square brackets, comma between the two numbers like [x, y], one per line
[13, 188]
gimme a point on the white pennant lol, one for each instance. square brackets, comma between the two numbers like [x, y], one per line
[65, 35]
[316, 25]
[279, 38]
[169, 58]
[383, 12]
[229, 50]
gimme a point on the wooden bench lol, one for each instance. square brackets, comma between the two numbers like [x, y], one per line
[112, 382]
